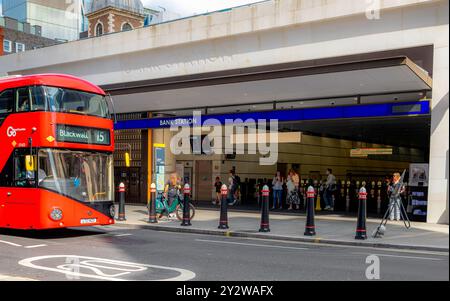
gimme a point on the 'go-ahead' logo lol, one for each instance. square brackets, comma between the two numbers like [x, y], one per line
[12, 132]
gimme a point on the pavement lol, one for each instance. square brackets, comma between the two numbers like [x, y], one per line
[123, 252]
[331, 229]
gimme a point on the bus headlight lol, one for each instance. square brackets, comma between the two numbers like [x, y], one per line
[56, 214]
[112, 211]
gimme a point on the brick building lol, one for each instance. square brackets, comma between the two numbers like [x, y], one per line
[109, 16]
[18, 36]
[1, 41]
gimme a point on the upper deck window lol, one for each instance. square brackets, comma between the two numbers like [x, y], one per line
[77, 102]
[6, 101]
[31, 99]
[53, 99]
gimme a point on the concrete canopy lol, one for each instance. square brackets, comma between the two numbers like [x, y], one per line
[351, 79]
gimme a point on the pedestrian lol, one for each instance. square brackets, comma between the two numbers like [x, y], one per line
[395, 190]
[277, 188]
[237, 189]
[172, 190]
[218, 186]
[330, 187]
[232, 182]
[293, 198]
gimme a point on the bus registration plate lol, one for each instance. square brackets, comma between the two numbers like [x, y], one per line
[85, 221]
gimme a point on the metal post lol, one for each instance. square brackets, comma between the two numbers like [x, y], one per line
[152, 208]
[347, 196]
[379, 186]
[223, 223]
[265, 210]
[186, 206]
[310, 228]
[361, 231]
[122, 202]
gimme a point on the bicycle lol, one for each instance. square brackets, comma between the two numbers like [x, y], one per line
[177, 206]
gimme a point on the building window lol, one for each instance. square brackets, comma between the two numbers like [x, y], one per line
[127, 27]
[99, 29]
[7, 46]
[20, 47]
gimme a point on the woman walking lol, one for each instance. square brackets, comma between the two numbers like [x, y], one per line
[292, 184]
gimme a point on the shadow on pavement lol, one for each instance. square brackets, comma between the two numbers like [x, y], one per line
[53, 233]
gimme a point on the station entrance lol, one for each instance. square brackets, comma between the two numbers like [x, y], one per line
[377, 125]
[360, 152]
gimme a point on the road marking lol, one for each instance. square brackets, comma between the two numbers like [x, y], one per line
[251, 245]
[400, 256]
[101, 268]
[10, 243]
[35, 246]
[122, 235]
[14, 278]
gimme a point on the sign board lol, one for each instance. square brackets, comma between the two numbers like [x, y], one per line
[418, 174]
[84, 135]
[365, 152]
[159, 167]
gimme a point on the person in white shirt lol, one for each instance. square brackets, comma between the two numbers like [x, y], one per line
[330, 187]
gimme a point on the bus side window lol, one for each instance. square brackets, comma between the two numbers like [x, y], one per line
[23, 100]
[38, 101]
[6, 175]
[22, 177]
[6, 102]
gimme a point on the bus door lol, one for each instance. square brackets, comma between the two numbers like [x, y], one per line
[19, 200]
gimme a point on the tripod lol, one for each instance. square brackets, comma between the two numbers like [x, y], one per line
[398, 205]
[395, 204]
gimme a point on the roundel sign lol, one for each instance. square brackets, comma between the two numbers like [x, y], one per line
[12, 132]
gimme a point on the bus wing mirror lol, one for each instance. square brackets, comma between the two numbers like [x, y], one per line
[29, 163]
[127, 159]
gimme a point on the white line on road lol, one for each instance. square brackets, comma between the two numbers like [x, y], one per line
[400, 256]
[10, 243]
[35, 246]
[247, 244]
[122, 235]
[14, 278]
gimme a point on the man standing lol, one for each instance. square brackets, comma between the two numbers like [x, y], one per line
[330, 186]
[395, 190]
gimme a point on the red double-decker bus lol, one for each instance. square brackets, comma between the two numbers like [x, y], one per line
[56, 153]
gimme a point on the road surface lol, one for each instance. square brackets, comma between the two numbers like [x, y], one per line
[121, 253]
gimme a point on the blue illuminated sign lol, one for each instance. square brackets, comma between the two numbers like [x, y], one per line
[343, 112]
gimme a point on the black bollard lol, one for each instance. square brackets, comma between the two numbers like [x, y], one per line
[310, 228]
[361, 231]
[186, 206]
[152, 208]
[223, 223]
[121, 202]
[265, 210]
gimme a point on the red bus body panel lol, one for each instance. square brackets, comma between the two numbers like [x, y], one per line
[29, 208]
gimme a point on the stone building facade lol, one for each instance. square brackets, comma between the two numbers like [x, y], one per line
[108, 17]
